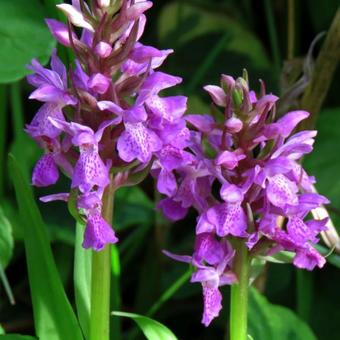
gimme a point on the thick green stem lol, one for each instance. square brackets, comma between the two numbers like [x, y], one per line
[101, 276]
[239, 294]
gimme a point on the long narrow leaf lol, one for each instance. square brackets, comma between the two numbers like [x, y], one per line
[152, 329]
[16, 337]
[82, 281]
[53, 314]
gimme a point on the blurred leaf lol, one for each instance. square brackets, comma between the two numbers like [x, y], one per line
[323, 162]
[16, 337]
[152, 329]
[6, 240]
[82, 280]
[268, 321]
[184, 22]
[53, 314]
[132, 207]
[6, 250]
[23, 36]
[2, 331]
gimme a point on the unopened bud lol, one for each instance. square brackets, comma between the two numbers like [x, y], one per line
[75, 16]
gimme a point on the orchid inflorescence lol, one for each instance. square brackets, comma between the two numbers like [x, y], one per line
[104, 116]
[246, 183]
[103, 123]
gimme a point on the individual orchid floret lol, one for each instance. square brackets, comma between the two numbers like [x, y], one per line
[98, 232]
[211, 260]
[89, 170]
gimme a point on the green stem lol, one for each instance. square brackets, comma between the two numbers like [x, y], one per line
[239, 294]
[101, 277]
[115, 289]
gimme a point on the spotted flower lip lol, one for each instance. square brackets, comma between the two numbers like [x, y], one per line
[243, 177]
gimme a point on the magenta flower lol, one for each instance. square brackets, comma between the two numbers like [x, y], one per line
[105, 112]
[253, 161]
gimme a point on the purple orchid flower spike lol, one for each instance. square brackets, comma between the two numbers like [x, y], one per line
[244, 179]
[112, 87]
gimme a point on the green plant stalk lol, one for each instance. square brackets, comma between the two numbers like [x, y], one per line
[115, 290]
[101, 279]
[239, 293]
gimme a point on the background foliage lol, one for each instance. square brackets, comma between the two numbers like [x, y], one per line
[209, 38]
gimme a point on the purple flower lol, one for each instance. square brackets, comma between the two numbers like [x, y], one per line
[51, 84]
[98, 233]
[89, 170]
[45, 172]
[245, 181]
[212, 260]
[103, 121]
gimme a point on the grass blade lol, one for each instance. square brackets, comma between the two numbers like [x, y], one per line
[82, 281]
[54, 318]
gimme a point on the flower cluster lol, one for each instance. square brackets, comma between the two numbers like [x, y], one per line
[103, 121]
[244, 178]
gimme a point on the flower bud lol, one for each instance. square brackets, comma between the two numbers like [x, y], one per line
[217, 95]
[227, 83]
[234, 125]
[103, 49]
[75, 16]
[99, 83]
[103, 3]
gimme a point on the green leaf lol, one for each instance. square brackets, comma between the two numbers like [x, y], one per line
[152, 329]
[6, 250]
[16, 337]
[23, 36]
[54, 318]
[323, 162]
[268, 321]
[82, 280]
[6, 240]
